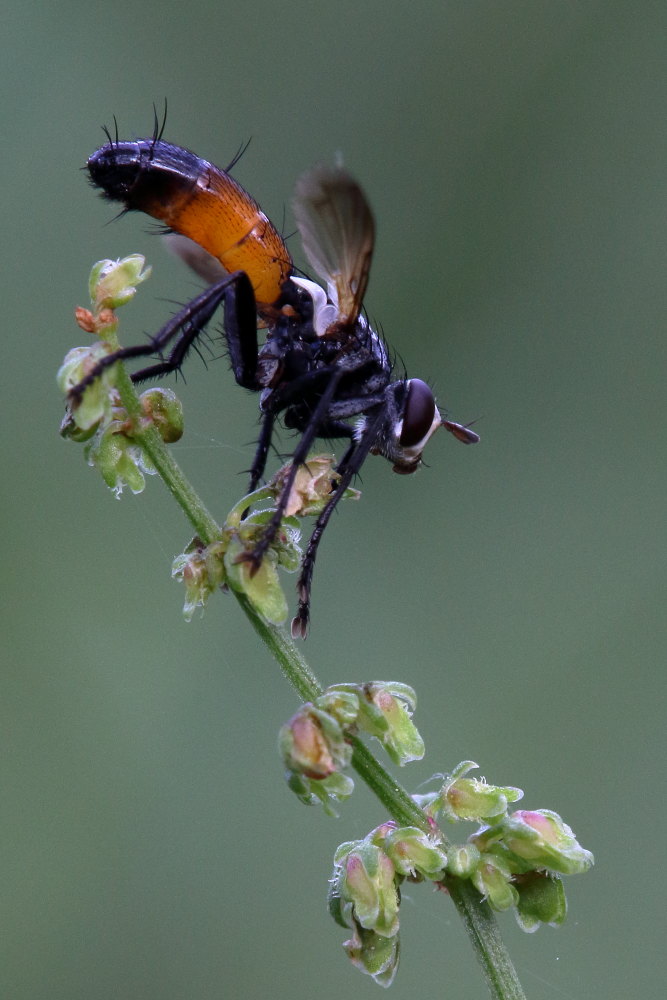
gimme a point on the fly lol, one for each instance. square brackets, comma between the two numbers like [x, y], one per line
[322, 370]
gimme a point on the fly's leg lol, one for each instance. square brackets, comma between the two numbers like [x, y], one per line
[261, 453]
[255, 555]
[348, 468]
[183, 329]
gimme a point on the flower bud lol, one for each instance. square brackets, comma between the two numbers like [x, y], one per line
[342, 704]
[98, 399]
[112, 283]
[326, 792]
[385, 710]
[261, 586]
[541, 838]
[462, 860]
[541, 900]
[312, 743]
[373, 954]
[472, 799]
[165, 411]
[120, 461]
[201, 569]
[313, 485]
[492, 879]
[413, 852]
[365, 877]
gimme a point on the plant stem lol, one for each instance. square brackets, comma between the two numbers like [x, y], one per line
[482, 927]
[205, 525]
[477, 916]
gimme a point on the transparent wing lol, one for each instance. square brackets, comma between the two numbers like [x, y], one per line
[338, 232]
[204, 264]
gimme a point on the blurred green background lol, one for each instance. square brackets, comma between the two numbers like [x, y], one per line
[515, 158]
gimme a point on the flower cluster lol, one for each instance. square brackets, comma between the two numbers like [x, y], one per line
[364, 892]
[314, 746]
[514, 861]
[97, 417]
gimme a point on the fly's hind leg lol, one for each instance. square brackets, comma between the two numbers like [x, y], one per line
[183, 329]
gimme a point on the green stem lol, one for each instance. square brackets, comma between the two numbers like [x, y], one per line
[203, 522]
[476, 915]
[492, 954]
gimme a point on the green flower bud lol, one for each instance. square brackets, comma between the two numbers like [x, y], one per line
[541, 838]
[261, 586]
[343, 705]
[201, 569]
[462, 860]
[492, 879]
[373, 954]
[120, 461]
[112, 283]
[541, 900]
[165, 411]
[413, 852]
[98, 400]
[472, 799]
[326, 792]
[385, 710]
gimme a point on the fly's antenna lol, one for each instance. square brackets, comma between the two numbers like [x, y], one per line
[237, 156]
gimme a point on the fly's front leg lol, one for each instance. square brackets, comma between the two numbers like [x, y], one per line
[349, 466]
[255, 555]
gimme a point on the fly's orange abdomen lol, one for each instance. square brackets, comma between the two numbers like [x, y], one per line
[196, 199]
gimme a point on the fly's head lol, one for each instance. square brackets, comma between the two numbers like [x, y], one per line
[411, 417]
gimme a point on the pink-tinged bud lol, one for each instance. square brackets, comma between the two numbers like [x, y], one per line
[85, 319]
[364, 880]
[305, 747]
[313, 747]
[369, 883]
[414, 852]
[542, 838]
[385, 712]
[472, 798]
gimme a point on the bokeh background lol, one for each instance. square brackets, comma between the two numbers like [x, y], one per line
[515, 158]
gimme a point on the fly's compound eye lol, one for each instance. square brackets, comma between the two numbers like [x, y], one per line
[418, 413]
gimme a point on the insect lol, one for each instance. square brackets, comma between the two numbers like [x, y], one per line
[322, 370]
